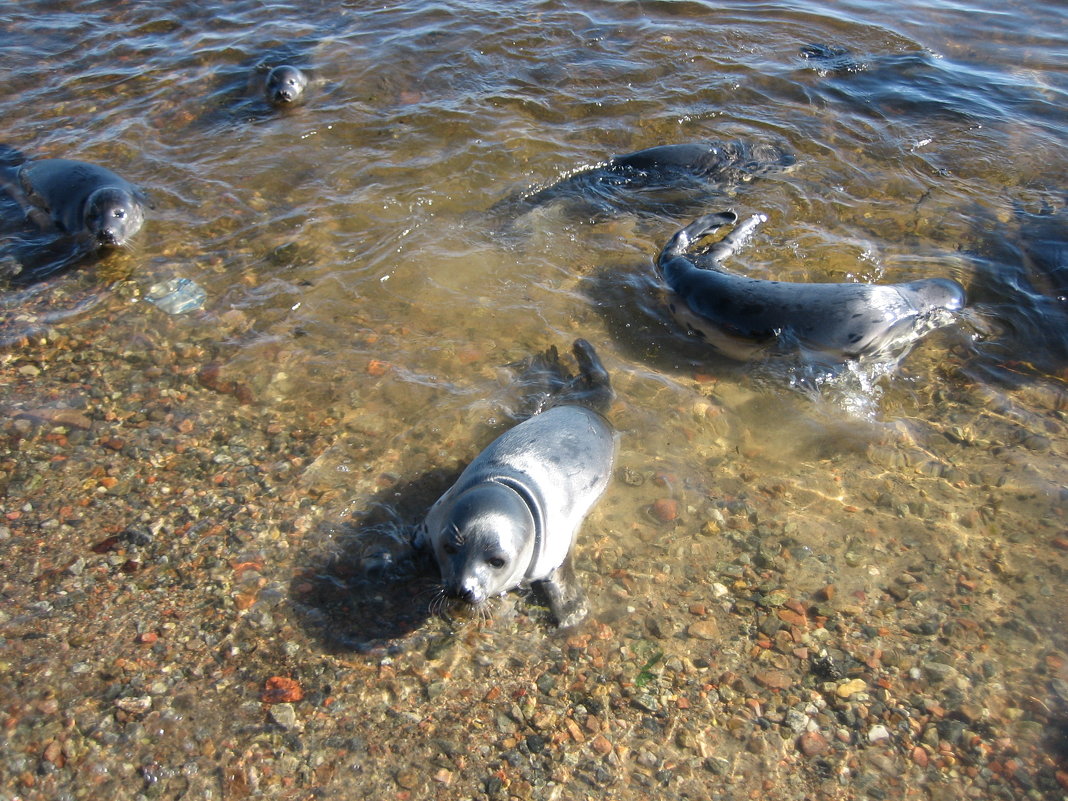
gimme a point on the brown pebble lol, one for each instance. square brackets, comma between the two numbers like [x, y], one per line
[53, 752]
[813, 744]
[574, 730]
[791, 617]
[773, 679]
[62, 417]
[377, 367]
[601, 745]
[919, 756]
[1061, 542]
[281, 689]
[703, 630]
[665, 510]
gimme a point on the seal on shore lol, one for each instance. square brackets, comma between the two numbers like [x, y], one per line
[512, 516]
[82, 200]
[666, 180]
[285, 85]
[744, 317]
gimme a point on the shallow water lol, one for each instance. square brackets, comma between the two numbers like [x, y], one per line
[361, 296]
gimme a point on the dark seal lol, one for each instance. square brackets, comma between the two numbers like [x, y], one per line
[667, 180]
[81, 200]
[511, 518]
[285, 85]
[746, 317]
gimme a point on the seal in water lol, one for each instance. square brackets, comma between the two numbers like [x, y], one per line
[284, 85]
[83, 200]
[743, 317]
[512, 515]
[666, 180]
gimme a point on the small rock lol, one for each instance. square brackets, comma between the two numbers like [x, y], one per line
[136, 705]
[851, 687]
[601, 745]
[717, 765]
[919, 756]
[878, 733]
[773, 679]
[283, 715]
[665, 509]
[703, 629]
[813, 744]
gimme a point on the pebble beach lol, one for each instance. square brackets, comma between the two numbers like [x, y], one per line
[833, 592]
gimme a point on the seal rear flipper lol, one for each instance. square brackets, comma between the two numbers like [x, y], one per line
[592, 386]
[567, 600]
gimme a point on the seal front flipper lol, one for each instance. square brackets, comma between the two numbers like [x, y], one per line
[567, 600]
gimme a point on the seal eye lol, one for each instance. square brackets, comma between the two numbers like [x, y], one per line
[496, 562]
[119, 213]
[450, 548]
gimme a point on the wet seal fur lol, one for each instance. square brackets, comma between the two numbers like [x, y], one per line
[285, 85]
[512, 516]
[745, 317]
[79, 199]
[662, 181]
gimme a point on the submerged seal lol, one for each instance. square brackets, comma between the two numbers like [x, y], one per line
[743, 317]
[83, 200]
[512, 515]
[284, 85]
[662, 180]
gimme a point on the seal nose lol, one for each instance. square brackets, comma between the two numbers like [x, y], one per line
[465, 594]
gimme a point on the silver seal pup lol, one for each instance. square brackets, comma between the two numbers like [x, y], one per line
[82, 200]
[512, 516]
[749, 317]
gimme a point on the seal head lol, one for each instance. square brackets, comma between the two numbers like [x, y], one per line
[487, 545]
[285, 85]
[112, 216]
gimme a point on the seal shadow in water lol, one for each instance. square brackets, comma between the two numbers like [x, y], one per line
[1021, 287]
[372, 589]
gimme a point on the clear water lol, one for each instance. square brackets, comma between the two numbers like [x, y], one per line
[353, 273]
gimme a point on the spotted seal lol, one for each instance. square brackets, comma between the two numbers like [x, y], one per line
[285, 85]
[512, 516]
[665, 180]
[743, 317]
[81, 200]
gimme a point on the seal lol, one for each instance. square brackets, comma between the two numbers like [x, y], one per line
[285, 85]
[82, 200]
[666, 180]
[745, 317]
[512, 516]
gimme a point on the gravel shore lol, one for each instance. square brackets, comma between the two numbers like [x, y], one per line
[189, 612]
